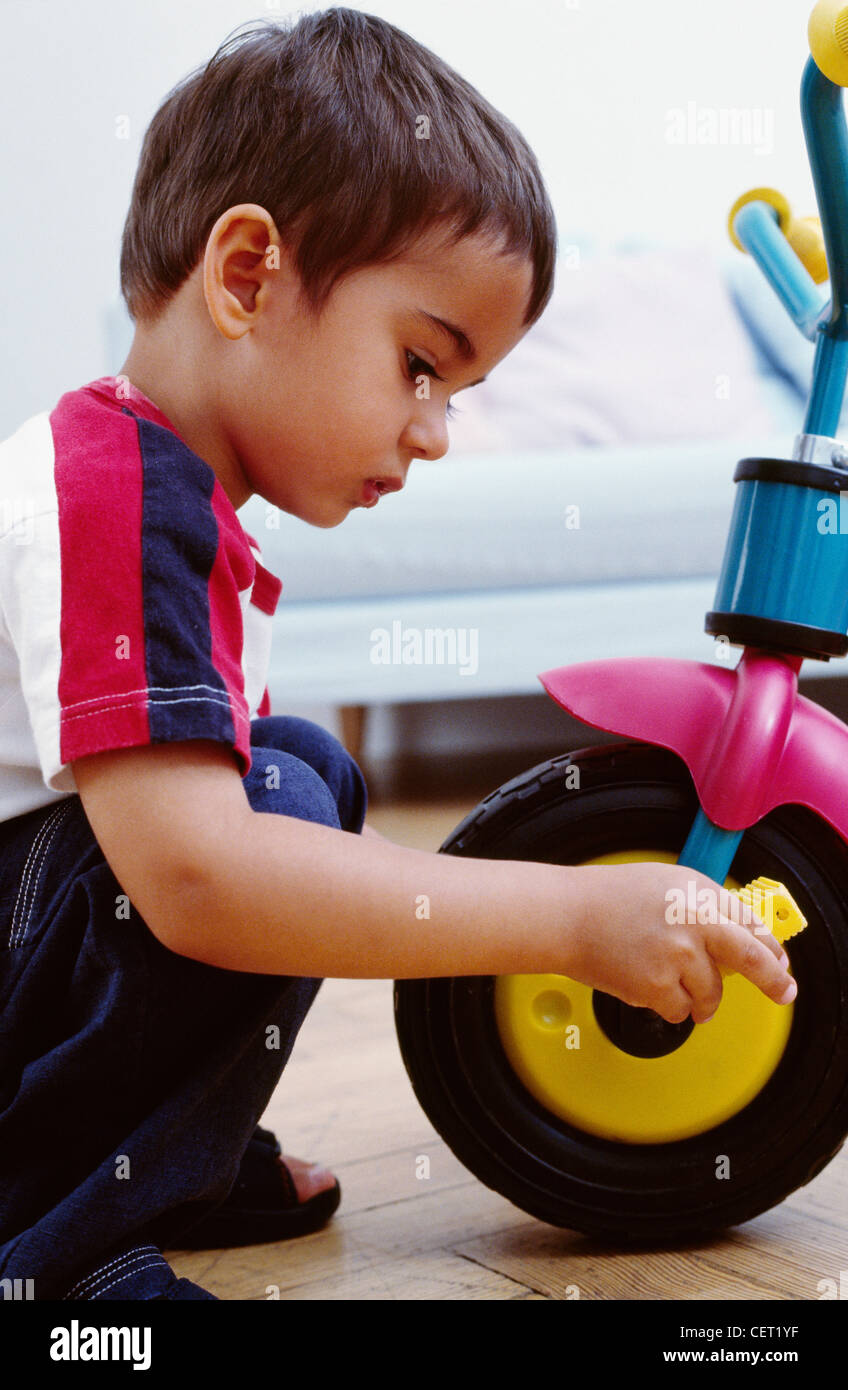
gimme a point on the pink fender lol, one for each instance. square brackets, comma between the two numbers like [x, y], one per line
[750, 741]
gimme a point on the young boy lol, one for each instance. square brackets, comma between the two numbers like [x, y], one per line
[325, 217]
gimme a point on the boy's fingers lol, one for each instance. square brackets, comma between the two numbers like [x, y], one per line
[765, 936]
[731, 910]
[758, 958]
[702, 983]
[676, 1005]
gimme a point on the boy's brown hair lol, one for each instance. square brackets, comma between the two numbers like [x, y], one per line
[320, 122]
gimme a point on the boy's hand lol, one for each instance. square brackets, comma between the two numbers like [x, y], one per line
[633, 945]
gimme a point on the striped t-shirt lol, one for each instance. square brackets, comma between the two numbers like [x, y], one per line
[134, 607]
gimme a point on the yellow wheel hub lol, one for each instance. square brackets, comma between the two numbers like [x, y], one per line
[556, 1046]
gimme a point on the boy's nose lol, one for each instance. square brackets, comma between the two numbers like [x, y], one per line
[427, 439]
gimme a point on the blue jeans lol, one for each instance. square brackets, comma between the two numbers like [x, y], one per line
[131, 1078]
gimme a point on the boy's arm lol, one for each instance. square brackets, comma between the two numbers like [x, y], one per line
[271, 894]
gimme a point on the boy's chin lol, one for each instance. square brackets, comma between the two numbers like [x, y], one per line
[326, 515]
[324, 512]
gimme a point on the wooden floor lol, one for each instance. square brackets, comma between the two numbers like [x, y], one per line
[345, 1099]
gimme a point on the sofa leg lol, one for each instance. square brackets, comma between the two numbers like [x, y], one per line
[353, 728]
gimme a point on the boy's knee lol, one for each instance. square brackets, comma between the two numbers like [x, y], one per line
[325, 754]
[283, 784]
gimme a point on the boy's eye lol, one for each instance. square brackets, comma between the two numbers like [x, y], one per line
[418, 367]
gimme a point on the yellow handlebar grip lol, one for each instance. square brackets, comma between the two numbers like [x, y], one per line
[761, 195]
[805, 238]
[827, 32]
[775, 907]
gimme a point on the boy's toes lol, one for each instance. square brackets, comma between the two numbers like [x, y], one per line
[309, 1178]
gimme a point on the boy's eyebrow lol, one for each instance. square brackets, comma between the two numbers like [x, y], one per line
[461, 342]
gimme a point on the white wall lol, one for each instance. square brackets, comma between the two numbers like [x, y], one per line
[589, 82]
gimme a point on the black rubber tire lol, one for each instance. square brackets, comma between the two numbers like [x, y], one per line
[635, 796]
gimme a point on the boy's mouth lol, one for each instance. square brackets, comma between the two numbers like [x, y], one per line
[376, 487]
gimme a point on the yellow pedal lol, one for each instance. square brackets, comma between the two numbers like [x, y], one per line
[775, 906]
[761, 195]
[805, 237]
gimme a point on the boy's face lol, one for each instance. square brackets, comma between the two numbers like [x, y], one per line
[312, 410]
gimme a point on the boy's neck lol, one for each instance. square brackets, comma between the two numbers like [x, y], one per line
[173, 379]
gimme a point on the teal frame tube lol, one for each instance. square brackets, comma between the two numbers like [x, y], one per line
[709, 849]
[826, 134]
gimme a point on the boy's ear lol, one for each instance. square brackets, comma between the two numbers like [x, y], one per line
[243, 253]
